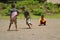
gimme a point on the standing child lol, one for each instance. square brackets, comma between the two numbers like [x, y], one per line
[27, 17]
[13, 16]
[42, 20]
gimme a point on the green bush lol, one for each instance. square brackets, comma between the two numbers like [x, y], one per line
[34, 6]
[26, 3]
[38, 11]
[4, 9]
[52, 8]
[5, 12]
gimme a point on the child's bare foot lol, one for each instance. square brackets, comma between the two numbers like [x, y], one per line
[17, 30]
[8, 30]
[29, 27]
[39, 25]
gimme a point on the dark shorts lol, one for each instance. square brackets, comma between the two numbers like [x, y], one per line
[42, 22]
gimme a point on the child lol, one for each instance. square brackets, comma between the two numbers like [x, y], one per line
[13, 16]
[27, 17]
[42, 20]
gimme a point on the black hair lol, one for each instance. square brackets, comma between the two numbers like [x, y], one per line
[23, 7]
[42, 15]
[13, 5]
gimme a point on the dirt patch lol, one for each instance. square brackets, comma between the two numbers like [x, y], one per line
[49, 32]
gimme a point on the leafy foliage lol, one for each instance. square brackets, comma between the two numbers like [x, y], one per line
[52, 7]
[32, 5]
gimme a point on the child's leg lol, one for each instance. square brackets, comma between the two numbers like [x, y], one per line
[15, 22]
[29, 23]
[29, 26]
[40, 23]
[9, 27]
[45, 23]
[11, 22]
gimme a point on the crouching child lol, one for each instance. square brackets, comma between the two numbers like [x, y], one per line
[42, 20]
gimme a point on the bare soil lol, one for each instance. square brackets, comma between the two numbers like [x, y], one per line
[49, 32]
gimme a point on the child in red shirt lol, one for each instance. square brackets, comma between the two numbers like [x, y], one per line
[42, 20]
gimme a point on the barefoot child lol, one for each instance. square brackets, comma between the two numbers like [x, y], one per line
[27, 17]
[42, 20]
[13, 16]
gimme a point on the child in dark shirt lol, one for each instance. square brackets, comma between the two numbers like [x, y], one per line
[27, 17]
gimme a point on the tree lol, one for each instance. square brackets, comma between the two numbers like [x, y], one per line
[40, 0]
[4, 1]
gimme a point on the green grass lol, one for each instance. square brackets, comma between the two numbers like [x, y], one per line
[21, 16]
[57, 16]
[4, 17]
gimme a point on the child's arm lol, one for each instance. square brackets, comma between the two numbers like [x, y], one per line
[44, 19]
[39, 20]
[10, 13]
[17, 12]
[29, 13]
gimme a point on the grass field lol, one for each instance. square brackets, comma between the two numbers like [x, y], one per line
[21, 16]
[53, 16]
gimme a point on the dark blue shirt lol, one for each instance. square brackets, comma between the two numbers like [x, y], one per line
[26, 14]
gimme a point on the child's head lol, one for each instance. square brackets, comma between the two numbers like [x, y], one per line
[13, 6]
[42, 16]
[23, 8]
